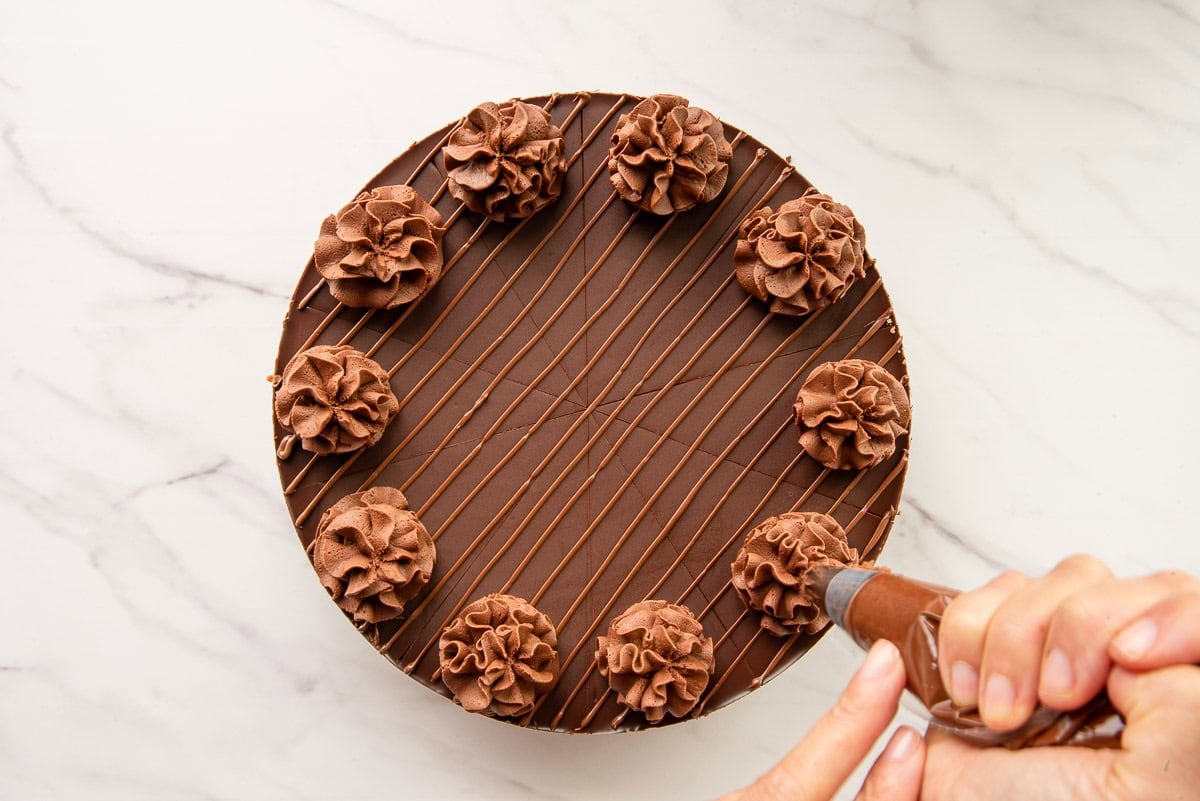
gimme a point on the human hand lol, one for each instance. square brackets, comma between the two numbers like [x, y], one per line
[828, 754]
[1059, 640]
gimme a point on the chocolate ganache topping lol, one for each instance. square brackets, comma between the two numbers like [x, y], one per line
[657, 658]
[505, 161]
[430, 445]
[802, 257]
[334, 399]
[499, 655]
[382, 250]
[668, 156]
[850, 414]
[372, 554]
[771, 571]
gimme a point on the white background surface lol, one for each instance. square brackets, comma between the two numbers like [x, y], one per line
[1026, 173]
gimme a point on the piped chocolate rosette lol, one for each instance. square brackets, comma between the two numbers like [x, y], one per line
[499, 656]
[334, 399]
[505, 161]
[851, 413]
[382, 250]
[668, 155]
[372, 554]
[657, 659]
[803, 256]
[771, 573]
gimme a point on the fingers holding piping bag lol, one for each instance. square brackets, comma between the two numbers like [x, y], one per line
[896, 774]
[963, 633]
[1077, 657]
[1014, 642]
[1166, 634]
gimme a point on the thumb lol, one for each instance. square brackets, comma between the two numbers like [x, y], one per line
[832, 749]
[958, 771]
[896, 774]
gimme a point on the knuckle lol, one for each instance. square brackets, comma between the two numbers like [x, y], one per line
[1080, 613]
[1083, 565]
[965, 621]
[889, 779]
[963, 625]
[875, 788]
[1012, 627]
[1176, 581]
[1009, 578]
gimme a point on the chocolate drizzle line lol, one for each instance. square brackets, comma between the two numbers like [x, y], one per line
[491, 257]
[653, 591]
[462, 462]
[483, 226]
[470, 329]
[349, 335]
[746, 614]
[549, 457]
[349, 462]
[706, 610]
[366, 316]
[508, 330]
[726, 241]
[592, 407]
[320, 329]
[666, 528]
[582, 331]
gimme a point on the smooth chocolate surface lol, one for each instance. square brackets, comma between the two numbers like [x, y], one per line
[594, 413]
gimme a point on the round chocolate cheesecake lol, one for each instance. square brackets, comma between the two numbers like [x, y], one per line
[589, 412]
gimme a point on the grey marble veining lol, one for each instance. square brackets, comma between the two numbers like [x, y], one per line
[1026, 175]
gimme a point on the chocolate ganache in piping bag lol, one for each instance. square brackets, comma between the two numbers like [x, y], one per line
[872, 605]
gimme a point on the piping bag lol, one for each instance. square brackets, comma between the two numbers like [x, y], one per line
[871, 605]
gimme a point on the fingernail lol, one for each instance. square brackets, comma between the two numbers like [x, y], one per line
[964, 684]
[903, 744]
[998, 696]
[1136, 639]
[880, 661]
[1058, 676]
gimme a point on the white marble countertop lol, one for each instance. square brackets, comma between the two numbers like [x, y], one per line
[1026, 172]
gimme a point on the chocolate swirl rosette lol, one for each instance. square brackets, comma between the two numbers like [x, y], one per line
[802, 257]
[334, 399]
[381, 250]
[851, 413]
[657, 658]
[772, 571]
[372, 554]
[499, 656]
[668, 156]
[506, 161]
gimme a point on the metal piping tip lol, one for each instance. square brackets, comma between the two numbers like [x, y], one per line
[818, 580]
[835, 587]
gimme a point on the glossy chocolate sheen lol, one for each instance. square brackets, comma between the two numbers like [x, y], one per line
[593, 413]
